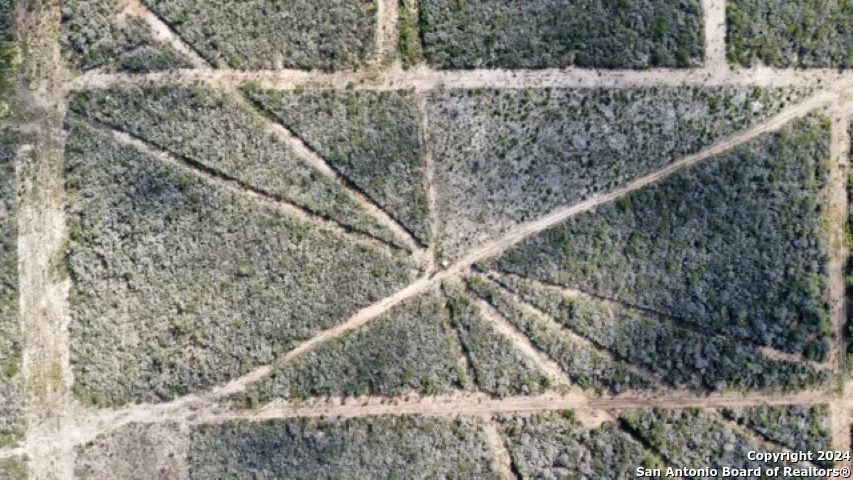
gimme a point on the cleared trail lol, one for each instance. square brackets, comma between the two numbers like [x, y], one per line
[423, 78]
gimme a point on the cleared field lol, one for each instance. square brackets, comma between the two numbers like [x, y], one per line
[179, 284]
[11, 392]
[371, 138]
[376, 447]
[210, 128]
[307, 34]
[143, 451]
[585, 365]
[498, 368]
[798, 427]
[96, 34]
[503, 157]
[555, 445]
[735, 245]
[556, 33]
[681, 357]
[790, 33]
[409, 349]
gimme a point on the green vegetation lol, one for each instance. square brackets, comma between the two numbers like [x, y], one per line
[253, 34]
[505, 156]
[209, 128]
[10, 56]
[549, 445]
[499, 369]
[683, 358]
[410, 41]
[585, 366]
[14, 468]
[370, 137]
[349, 449]
[179, 284]
[143, 451]
[409, 349]
[790, 33]
[557, 33]
[691, 437]
[735, 245]
[95, 34]
[11, 394]
[798, 427]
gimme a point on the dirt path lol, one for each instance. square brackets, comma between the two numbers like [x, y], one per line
[837, 213]
[840, 424]
[497, 444]
[422, 78]
[386, 32]
[715, 36]
[42, 284]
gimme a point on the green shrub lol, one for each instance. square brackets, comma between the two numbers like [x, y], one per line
[162, 301]
[799, 427]
[694, 438]
[547, 445]
[255, 34]
[790, 33]
[557, 33]
[371, 138]
[11, 395]
[213, 130]
[734, 245]
[346, 449]
[504, 157]
[410, 42]
[409, 349]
